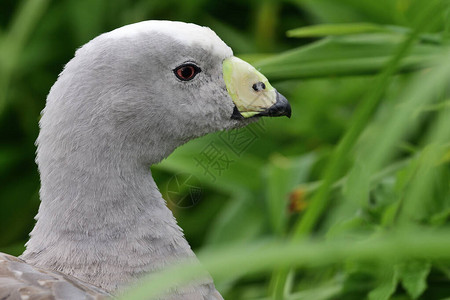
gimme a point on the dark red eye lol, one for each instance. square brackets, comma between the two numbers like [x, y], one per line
[187, 71]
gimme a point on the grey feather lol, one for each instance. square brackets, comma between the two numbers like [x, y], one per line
[19, 280]
[116, 109]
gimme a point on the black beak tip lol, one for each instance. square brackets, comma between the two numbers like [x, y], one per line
[283, 106]
[288, 110]
[280, 108]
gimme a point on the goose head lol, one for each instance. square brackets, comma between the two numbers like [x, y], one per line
[152, 86]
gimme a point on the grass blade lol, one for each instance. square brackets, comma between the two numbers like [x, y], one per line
[228, 261]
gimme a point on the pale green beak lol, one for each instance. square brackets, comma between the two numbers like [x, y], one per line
[251, 92]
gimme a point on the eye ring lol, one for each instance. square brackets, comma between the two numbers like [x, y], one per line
[187, 71]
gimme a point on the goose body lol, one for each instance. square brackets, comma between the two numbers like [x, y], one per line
[125, 101]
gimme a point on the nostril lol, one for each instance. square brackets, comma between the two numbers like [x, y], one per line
[259, 86]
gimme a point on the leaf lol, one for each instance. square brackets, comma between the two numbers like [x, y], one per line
[282, 176]
[350, 227]
[413, 276]
[387, 285]
[344, 56]
[357, 187]
[322, 292]
[323, 30]
[389, 214]
[238, 221]
[334, 29]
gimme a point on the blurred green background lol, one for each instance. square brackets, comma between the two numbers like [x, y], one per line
[366, 152]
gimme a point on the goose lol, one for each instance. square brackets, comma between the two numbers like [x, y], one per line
[125, 101]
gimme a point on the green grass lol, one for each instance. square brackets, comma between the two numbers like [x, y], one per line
[348, 199]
